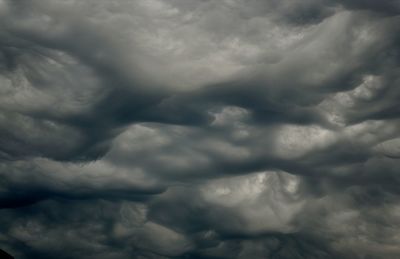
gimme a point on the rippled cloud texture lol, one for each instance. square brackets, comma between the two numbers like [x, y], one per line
[200, 129]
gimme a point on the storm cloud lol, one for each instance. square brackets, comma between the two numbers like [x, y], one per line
[200, 129]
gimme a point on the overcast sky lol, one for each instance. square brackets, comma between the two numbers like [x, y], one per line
[200, 129]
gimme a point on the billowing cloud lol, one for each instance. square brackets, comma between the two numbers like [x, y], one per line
[199, 129]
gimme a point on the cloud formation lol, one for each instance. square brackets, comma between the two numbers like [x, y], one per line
[200, 129]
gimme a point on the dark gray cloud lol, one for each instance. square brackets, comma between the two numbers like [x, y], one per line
[199, 129]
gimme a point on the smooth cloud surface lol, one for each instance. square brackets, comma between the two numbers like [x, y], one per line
[200, 129]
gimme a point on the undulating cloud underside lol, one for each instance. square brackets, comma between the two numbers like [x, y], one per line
[200, 129]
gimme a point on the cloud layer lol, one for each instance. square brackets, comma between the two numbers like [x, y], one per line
[200, 129]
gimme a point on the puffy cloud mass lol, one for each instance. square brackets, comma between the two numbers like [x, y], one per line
[200, 129]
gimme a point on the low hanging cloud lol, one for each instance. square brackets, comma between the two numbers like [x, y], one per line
[200, 129]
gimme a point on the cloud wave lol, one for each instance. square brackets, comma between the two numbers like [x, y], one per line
[200, 129]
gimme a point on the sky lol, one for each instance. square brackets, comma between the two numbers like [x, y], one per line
[200, 129]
